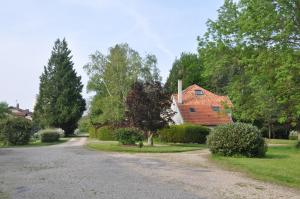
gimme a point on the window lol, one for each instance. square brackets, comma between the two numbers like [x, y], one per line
[198, 92]
[192, 110]
[216, 108]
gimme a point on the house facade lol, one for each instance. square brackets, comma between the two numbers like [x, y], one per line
[197, 105]
[18, 112]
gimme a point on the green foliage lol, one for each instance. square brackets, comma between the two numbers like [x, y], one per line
[3, 110]
[84, 124]
[105, 133]
[15, 131]
[59, 103]
[128, 136]
[49, 135]
[186, 133]
[251, 53]
[188, 68]
[111, 77]
[237, 139]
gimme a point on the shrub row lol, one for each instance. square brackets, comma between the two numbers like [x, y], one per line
[237, 139]
[186, 133]
[129, 136]
[104, 133]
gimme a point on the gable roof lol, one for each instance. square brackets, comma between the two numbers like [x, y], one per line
[203, 106]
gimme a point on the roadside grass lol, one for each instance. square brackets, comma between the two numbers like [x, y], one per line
[36, 143]
[281, 164]
[281, 141]
[114, 146]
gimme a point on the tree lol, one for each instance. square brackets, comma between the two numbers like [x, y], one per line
[59, 103]
[251, 53]
[189, 68]
[111, 77]
[3, 110]
[148, 107]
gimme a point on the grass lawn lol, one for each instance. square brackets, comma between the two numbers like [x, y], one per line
[37, 143]
[159, 148]
[281, 164]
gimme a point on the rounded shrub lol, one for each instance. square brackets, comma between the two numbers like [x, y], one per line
[237, 139]
[49, 135]
[16, 131]
[185, 133]
[128, 136]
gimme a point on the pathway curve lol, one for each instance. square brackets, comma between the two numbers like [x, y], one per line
[69, 170]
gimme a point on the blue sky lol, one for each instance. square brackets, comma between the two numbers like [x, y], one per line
[29, 28]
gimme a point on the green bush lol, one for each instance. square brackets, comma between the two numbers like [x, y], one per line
[49, 135]
[128, 136]
[84, 124]
[186, 133]
[16, 131]
[104, 133]
[237, 139]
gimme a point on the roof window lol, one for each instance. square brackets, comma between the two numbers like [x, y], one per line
[199, 92]
[192, 110]
[216, 108]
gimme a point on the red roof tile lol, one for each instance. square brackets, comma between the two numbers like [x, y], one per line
[204, 114]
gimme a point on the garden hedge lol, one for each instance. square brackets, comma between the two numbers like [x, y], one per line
[128, 136]
[185, 133]
[49, 135]
[105, 133]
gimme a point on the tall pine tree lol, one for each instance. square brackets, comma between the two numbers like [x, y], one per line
[59, 103]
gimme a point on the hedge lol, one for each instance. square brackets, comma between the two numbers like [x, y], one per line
[105, 133]
[128, 136]
[185, 133]
[49, 135]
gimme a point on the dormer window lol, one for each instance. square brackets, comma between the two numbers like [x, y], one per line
[199, 92]
[216, 108]
[192, 110]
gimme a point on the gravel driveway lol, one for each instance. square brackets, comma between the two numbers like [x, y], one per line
[70, 171]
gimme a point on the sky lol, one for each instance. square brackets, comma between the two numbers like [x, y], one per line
[28, 29]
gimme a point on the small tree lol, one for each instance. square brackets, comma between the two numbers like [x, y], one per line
[148, 107]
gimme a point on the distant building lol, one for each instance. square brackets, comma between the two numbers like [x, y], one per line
[17, 111]
[197, 105]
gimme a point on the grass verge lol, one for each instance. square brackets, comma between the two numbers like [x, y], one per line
[160, 148]
[281, 164]
[37, 143]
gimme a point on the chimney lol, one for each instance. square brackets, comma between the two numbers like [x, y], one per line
[180, 91]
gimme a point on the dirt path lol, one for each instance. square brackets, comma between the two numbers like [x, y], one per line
[195, 173]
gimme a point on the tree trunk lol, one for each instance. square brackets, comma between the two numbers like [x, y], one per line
[150, 138]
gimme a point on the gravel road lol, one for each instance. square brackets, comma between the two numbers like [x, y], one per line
[71, 171]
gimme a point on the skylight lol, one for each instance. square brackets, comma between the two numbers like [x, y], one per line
[199, 92]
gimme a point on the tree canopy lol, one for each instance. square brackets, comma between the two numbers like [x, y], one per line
[251, 53]
[59, 102]
[111, 77]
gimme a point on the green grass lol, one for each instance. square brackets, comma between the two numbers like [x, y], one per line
[37, 143]
[159, 148]
[281, 141]
[281, 164]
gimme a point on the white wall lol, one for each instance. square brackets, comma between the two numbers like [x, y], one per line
[177, 118]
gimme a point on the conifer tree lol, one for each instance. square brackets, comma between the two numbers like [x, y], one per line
[59, 103]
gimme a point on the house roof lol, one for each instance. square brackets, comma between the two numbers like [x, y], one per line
[203, 106]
